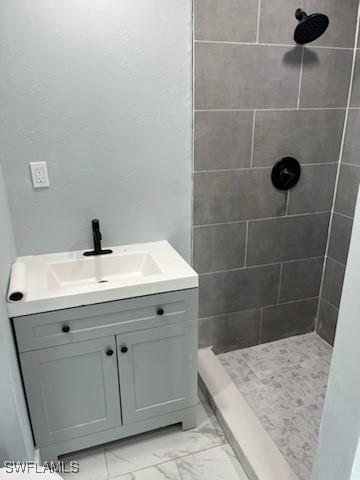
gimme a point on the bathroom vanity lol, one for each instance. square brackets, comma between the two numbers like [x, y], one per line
[99, 370]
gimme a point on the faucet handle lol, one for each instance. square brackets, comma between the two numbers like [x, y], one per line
[96, 228]
[95, 223]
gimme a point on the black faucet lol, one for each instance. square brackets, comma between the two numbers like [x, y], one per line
[97, 240]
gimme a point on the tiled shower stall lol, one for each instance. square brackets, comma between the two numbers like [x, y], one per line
[343, 212]
[261, 252]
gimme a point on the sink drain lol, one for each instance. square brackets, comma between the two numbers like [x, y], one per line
[103, 281]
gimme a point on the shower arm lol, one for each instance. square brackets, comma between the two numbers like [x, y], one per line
[300, 14]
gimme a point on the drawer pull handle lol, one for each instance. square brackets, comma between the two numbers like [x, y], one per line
[109, 352]
[160, 311]
[124, 349]
[66, 328]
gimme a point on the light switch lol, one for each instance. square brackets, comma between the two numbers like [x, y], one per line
[39, 174]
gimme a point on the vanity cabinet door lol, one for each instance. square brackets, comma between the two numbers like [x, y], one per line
[72, 390]
[157, 370]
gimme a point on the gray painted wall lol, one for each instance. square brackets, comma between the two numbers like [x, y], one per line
[340, 425]
[342, 219]
[356, 467]
[15, 437]
[257, 99]
[102, 92]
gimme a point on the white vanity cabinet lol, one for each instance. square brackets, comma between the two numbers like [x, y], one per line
[102, 372]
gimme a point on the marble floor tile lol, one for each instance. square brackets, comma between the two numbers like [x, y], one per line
[92, 465]
[163, 471]
[163, 445]
[217, 463]
[285, 384]
[165, 454]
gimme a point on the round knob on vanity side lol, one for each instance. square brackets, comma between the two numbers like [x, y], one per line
[160, 311]
[66, 328]
[124, 349]
[109, 352]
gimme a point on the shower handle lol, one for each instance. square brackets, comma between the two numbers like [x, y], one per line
[286, 175]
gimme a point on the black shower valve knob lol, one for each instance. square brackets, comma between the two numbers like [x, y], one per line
[286, 173]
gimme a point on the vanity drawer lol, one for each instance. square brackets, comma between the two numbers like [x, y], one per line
[112, 318]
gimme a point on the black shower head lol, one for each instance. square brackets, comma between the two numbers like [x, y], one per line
[310, 27]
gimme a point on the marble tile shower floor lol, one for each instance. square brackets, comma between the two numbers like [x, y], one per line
[165, 454]
[285, 383]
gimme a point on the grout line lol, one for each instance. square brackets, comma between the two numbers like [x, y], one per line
[264, 44]
[304, 165]
[335, 261]
[284, 109]
[301, 75]
[260, 167]
[246, 243]
[218, 444]
[280, 281]
[258, 22]
[253, 140]
[260, 265]
[291, 302]
[240, 169]
[339, 164]
[175, 462]
[106, 463]
[219, 224]
[330, 304]
[323, 340]
[343, 215]
[287, 204]
[261, 324]
[262, 219]
[247, 310]
[350, 164]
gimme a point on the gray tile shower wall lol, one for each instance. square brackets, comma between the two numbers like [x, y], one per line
[258, 98]
[231, 76]
[327, 320]
[342, 217]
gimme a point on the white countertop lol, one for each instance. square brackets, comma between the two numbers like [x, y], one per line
[69, 279]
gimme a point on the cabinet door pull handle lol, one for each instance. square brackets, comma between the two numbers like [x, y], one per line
[160, 311]
[66, 328]
[124, 349]
[109, 352]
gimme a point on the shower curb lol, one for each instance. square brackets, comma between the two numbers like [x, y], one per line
[256, 451]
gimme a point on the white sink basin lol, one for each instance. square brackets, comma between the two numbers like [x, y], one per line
[101, 269]
[69, 279]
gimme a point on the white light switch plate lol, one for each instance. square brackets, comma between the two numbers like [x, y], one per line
[39, 174]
